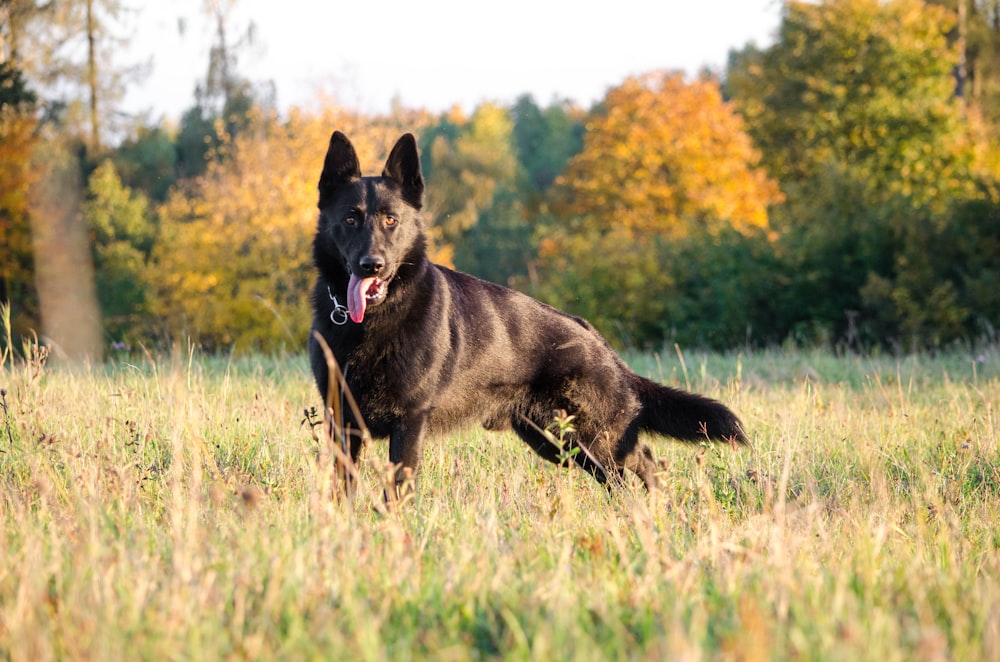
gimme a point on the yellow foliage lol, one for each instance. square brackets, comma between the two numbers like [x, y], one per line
[17, 137]
[662, 154]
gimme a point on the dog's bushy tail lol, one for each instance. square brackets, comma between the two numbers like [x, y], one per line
[685, 416]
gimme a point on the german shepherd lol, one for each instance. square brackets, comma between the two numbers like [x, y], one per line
[426, 349]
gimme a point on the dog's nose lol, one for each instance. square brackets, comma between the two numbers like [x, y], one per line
[372, 264]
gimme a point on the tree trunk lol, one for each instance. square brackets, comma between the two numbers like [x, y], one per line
[64, 268]
[4, 22]
[95, 126]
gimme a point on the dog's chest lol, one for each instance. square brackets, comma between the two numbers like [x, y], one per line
[395, 382]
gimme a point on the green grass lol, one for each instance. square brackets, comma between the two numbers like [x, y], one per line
[176, 509]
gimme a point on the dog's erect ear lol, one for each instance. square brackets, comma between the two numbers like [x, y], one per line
[341, 166]
[403, 167]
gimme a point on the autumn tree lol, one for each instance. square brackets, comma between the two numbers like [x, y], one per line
[662, 153]
[18, 127]
[663, 158]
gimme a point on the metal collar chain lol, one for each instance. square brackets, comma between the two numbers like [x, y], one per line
[339, 315]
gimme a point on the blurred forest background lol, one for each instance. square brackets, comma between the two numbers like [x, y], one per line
[839, 187]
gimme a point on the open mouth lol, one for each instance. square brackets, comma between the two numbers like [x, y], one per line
[364, 292]
[376, 291]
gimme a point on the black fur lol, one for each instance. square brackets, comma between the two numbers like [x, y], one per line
[438, 349]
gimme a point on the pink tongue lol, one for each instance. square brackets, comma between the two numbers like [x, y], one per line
[356, 302]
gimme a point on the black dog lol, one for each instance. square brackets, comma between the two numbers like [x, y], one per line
[426, 349]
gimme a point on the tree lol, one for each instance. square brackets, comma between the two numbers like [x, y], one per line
[663, 159]
[122, 237]
[18, 127]
[977, 37]
[66, 49]
[864, 85]
[661, 153]
[855, 112]
[468, 163]
[147, 161]
[499, 246]
[225, 98]
[943, 283]
[545, 140]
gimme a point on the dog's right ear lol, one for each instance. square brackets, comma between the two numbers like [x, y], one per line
[403, 166]
[340, 166]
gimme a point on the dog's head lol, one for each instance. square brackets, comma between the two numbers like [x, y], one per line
[369, 226]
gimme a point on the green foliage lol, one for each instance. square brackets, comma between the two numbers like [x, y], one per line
[609, 278]
[718, 290]
[14, 90]
[500, 246]
[195, 141]
[833, 241]
[854, 112]
[862, 85]
[147, 161]
[466, 171]
[545, 139]
[122, 238]
[725, 290]
[487, 175]
[942, 284]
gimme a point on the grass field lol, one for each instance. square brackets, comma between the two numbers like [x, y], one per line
[175, 508]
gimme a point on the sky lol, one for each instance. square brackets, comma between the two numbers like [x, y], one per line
[436, 54]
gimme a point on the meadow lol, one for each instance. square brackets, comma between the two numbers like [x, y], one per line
[181, 507]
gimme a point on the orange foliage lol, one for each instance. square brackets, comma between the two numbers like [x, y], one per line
[17, 140]
[661, 154]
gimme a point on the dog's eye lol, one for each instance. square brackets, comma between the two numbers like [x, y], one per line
[391, 219]
[350, 219]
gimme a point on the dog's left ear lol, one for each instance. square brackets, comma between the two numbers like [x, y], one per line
[403, 167]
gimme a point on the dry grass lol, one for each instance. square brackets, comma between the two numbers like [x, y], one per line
[175, 509]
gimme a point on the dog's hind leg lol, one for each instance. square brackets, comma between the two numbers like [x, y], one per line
[642, 462]
[636, 456]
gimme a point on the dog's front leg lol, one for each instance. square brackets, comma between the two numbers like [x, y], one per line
[406, 442]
